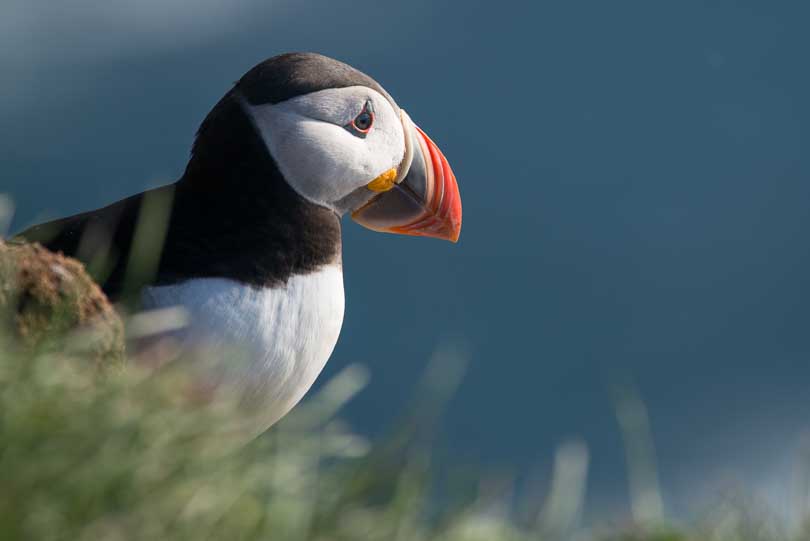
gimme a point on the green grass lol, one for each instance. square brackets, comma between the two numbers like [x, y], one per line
[123, 456]
[127, 455]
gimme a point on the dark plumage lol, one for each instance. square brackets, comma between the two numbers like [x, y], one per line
[233, 215]
[294, 74]
[247, 241]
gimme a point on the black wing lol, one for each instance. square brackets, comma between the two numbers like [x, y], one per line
[101, 239]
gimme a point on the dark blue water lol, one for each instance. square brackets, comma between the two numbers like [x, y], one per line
[636, 187]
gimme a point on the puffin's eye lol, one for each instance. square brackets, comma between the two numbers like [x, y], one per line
[362, 123]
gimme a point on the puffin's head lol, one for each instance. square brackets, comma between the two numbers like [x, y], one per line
[341, 142]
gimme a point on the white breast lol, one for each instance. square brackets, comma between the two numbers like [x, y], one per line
[269, 344]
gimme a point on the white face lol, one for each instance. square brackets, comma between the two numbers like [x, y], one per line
[320, 152]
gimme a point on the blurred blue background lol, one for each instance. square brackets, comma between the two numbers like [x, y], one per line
[635, 178]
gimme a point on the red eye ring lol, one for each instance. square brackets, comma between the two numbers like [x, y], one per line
[362, 123]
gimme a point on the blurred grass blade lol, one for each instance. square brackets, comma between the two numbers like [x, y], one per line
[148, 239]
[6, 214]
[96, 249]
[645, 494]
[152, 322]
[565, 501]
[445, 371]
[331, 398]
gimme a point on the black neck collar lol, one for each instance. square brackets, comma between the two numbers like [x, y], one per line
[234, 215]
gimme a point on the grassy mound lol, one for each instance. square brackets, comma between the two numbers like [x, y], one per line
[44, 296]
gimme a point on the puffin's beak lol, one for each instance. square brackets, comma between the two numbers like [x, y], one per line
[424, 201]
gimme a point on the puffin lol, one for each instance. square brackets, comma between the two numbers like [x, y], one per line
[248, 240]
